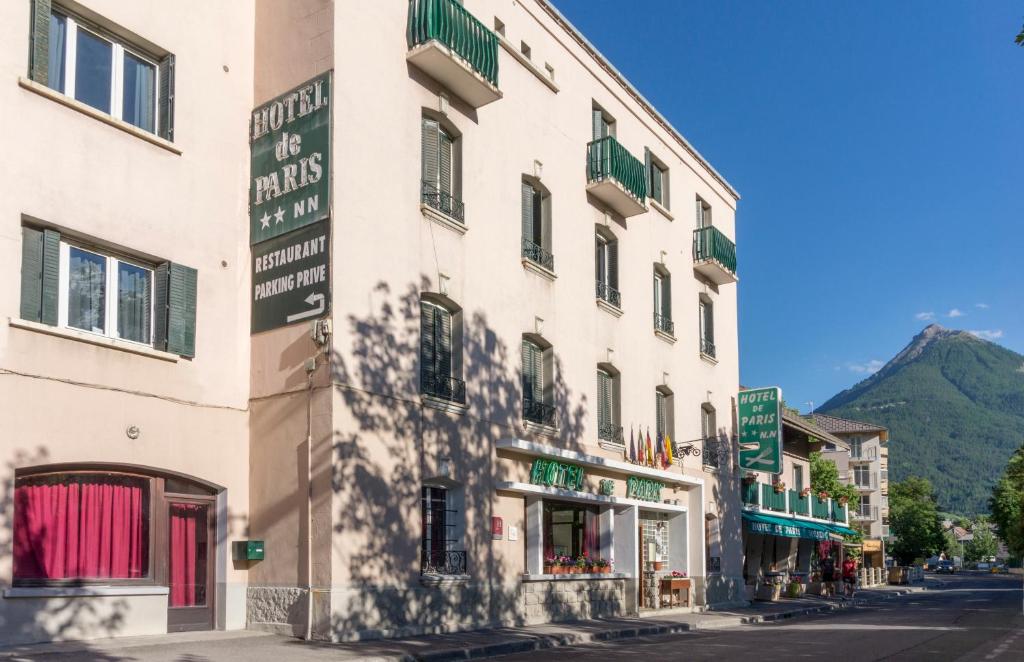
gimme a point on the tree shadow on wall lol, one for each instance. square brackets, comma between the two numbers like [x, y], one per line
[726, 585]
[390, 442]
[56, 619]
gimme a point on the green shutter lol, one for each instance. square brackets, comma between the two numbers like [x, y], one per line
[39, 42]
[174, 294]
[659, 412]
[527, 212]
[528, 368]
[666, 297]
[430, 141]
[31, 274]
[51, 277]
[613, 263]
[444, 148]
[647, 169]
[427, 343]
[443, 326]
[655, 187]
[709, 322]
[166, 99]
[604, 400]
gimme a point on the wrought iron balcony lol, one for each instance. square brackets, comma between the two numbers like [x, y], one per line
[454, 48]
[443, 386]
[664, 324]
[616, 177]
[606, 292]
[538, 412]
[442, 562]
[538, 255]
[443, 202]
[716, 453]
[714, 255]
[707, 347]
[610, 432]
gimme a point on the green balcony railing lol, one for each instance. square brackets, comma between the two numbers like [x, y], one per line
[819, 508]
[607, 159]
[838, 511]
[771, 499]
[449, 23]
[710, 244]
[750, 492]
[799, 505]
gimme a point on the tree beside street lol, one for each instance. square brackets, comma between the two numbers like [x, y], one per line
[983, 543]
[1007, 504]
[914, 517]
[825, 477]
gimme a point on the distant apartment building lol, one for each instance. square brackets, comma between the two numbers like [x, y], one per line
[866, 466]
[373, 358]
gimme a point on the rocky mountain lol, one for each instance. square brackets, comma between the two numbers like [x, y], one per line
[954, 406]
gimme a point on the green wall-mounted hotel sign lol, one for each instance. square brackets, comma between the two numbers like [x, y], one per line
[290, 160]
[759, 412]
[556, 474]
[643, 489]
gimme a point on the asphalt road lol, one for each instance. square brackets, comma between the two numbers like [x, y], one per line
[973, 617]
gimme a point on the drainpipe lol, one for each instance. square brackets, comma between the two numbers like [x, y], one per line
[310, 368]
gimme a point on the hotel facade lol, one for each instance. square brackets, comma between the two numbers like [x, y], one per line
[350, 320]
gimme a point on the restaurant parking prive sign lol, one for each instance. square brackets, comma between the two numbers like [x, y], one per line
[290, 160]
[759, 412]
[291, 278]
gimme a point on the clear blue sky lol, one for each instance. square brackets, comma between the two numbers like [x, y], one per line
[879, 151]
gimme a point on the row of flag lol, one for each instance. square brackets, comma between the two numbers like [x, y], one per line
[647, 453]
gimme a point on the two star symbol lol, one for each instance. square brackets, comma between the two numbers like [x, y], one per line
[265, 219]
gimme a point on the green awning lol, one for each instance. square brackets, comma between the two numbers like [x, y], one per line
[785, 527]
[840, 529]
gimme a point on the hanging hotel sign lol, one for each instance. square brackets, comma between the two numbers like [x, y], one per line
[556, 474]
[290, 160]
[643, 489]
[291, 278]
[760, 428]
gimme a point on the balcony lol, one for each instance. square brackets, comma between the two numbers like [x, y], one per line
[616, 177]
[715, 453]
[863, 454]
[771, 499]
[451, 46]
[707, 347]
[865, 482]
[610, 432]
[664, 324]
[750, 493]
[538, 255]
[799, 505]
[609, 294]
[443, 386]
[442, 562]
[443, 202]
[820, 509]
[539, 413]
[714, 255]
[866, 513]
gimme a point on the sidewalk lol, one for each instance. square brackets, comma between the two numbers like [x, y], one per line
[258, 647]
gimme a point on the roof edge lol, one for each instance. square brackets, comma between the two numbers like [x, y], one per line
[633, 92]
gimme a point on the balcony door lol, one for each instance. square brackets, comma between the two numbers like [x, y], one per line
[190, 535]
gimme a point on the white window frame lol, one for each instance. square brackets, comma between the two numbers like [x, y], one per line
[117, 54]
[111, 298]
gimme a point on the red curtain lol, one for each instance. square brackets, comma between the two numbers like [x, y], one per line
[188, 569]
[80, 528]
[592, 535]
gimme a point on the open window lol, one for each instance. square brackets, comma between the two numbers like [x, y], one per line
[441, 172]
[606, 267]
[538, 385]
[663, 301]
[609, 416]
[441, 349]
[536, 222]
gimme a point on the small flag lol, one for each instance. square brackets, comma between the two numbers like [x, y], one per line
[632, 446]
[650, 449]
[662, 456]
[668, 450]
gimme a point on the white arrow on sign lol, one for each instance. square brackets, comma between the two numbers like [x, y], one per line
[312, 299]
[763, 458]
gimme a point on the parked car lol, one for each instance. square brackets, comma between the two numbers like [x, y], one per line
[1000, 569]
[985, 566]
[946, 566]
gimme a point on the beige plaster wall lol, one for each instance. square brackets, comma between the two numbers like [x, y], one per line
[67, 401]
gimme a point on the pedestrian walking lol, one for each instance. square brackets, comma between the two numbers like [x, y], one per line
[828, 575]
[849, 576]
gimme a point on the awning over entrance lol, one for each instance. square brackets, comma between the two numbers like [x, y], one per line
[788, 528]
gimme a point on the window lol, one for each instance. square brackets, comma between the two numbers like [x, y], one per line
[606, 266]
[441, 169]
[706, 318]
[856, 447]
[499, 27]
[798, 477]
[702, 245]
[75, 286]
[438, 537]
[538, 406]
[603, 124]
[865, 506]
[716, 451]
[81, 526]
[100, 71]
[657, 178]
[536, 217]
[608, 415]
[655, 538]
[441, 352]
[862, 475]
[664, 413]
[703, 214]
[571, 530]
[663, 301]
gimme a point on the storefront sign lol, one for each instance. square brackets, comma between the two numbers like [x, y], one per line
[291, 278]
[556, 474]
[760, 421]
[871, 545]
[290, 160]
[643, 489]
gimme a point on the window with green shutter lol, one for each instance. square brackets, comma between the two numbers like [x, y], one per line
[706, 317]
[439, 369]
[663, 301]
[606, 267]
[535, 210]
[441, 169]
[97, 68]
[538, 386]
[607, 405]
